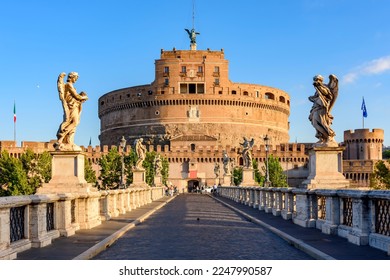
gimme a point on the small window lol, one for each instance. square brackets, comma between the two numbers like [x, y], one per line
[191, 88]
[257, 94]
[166, 69]
[192, 147]
[220, 92]
[184, 69]
[200, 88]
[200, 69]
[183, 88]
[216, 81]
[234, 92]
[166, 82]
[246, 93]
[282, 99]
[216, 69]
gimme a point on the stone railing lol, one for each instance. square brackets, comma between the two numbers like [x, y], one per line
[363, 217]
[34, 221]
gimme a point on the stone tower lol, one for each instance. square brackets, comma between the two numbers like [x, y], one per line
[363, 144]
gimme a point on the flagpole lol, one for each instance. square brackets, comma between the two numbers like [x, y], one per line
[15, 123]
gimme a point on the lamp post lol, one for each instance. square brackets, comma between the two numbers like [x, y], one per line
[122, 144]
[267, 182]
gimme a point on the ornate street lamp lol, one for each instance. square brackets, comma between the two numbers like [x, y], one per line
[122, 144]
[267, 182]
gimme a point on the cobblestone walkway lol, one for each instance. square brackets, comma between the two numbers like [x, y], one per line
[196, 227]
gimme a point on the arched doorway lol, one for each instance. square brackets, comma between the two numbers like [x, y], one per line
[193, 185]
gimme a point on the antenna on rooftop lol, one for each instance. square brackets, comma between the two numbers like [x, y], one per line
[193, 14]
[192, 34]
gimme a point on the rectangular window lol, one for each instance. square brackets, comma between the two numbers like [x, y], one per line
[184, 69]
[183, 88]
[257, 94]
[200, 88]
[166, 82]
[216, 81]
[200, 69]
[166, 69]
[234, 92]
[191, 88]
[220, 92]
[216, 69]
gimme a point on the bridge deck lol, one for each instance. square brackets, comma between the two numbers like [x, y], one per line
[199, 227]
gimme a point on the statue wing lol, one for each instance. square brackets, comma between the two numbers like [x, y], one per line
[61, 86]
[252, 142]
[334, 88]
[189, 33]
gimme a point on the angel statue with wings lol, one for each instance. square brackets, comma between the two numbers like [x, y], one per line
[320, 113]
[140, 150]
[192, 34]
[246, 152]
[71, 104]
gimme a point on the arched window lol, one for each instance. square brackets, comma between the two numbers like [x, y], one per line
[282, 99]
[192, 147]
[269, 95]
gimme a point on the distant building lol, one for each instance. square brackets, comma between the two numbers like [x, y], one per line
[363, 151]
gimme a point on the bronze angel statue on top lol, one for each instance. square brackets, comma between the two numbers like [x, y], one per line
[71, 104]
[320, 113]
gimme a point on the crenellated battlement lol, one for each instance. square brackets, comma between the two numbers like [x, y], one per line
[364, 135]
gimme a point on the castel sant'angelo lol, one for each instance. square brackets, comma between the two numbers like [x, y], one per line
[192, 112]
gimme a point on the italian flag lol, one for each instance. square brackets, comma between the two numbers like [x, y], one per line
[14, 112]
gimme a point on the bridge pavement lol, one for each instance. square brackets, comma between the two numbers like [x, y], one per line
[200, 227]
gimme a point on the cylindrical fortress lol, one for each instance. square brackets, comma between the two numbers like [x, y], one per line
[192, 96]
[363, 144]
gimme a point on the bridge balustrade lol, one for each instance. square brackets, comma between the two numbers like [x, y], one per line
[363, 217]
[34, 221]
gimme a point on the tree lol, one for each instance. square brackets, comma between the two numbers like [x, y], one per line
[237, 175]
[276, 175]
[110, 169]
[380, 178]
[13, 178]
[259, 179]
[89, 173]
[386, 154]
[37, 168]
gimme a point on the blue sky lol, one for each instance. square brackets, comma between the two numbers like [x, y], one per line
[113, 44]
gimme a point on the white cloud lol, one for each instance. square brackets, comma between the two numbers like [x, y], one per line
[373, 67]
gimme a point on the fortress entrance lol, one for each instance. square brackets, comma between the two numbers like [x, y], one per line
[192, 186]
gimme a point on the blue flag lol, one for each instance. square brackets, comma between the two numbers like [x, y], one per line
[364, 109]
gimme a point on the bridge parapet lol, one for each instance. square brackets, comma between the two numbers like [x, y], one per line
[360, 216]
[34, 221]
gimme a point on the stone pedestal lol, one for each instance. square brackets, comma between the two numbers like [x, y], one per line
[248, 178]
[325, 169]
[139, 178]
[158, 181]
[227, 180]
[67, 179]
[67, 174]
